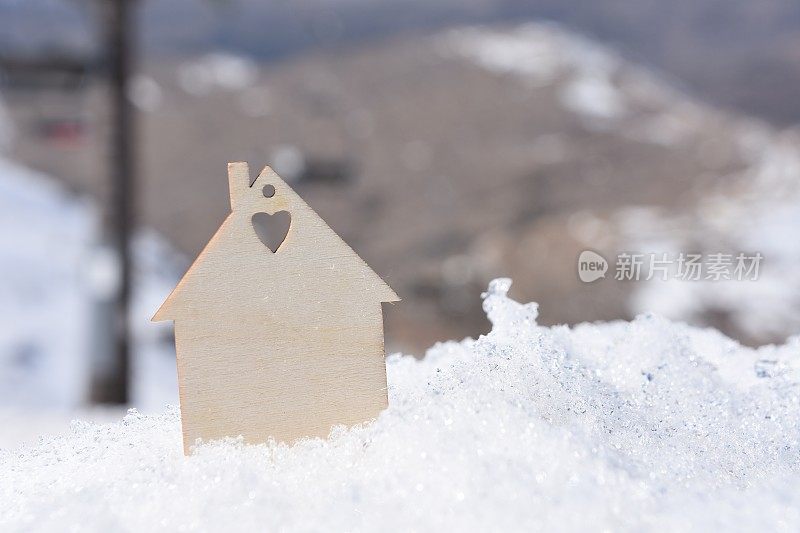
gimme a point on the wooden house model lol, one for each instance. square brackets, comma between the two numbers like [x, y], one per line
[277, 336]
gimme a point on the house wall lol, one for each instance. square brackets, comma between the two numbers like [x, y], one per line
[272, 377]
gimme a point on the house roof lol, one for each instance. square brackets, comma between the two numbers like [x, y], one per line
[312, 266]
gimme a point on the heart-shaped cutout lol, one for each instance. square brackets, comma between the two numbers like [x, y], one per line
[272, 229]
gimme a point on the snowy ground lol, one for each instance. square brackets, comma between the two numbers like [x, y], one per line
[49, 278]
[617, 426]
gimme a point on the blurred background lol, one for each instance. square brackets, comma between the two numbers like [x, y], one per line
[448, 142]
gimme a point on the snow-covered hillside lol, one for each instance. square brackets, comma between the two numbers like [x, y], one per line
[647, 425]
[602, 89]
[758, 211]
[48, 269]
[751, 206]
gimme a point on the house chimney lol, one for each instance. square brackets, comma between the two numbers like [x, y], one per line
[238, 181]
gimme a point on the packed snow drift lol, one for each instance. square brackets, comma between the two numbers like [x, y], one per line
[626, 426]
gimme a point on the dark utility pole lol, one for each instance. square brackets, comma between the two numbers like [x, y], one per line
[110, 370]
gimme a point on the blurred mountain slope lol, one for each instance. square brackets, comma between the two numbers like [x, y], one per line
[444, 160]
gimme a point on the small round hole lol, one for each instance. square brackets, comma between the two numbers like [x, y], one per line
[269, 191]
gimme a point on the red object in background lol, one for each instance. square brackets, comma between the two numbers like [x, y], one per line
[62, 131]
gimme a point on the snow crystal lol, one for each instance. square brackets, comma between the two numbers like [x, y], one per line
[619, 426]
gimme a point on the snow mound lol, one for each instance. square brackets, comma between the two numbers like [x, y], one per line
[626, 426]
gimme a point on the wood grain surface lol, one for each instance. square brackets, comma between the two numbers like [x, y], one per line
[282, 344]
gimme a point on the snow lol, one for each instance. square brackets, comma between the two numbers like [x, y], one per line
[756, 207]
[145, 93]
[541, 54]
[49, 267]
[757, 211]
[217, 71]
[589, 79]
[619, 426]
[539, 51]
[593, 95]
